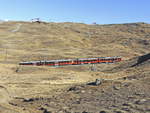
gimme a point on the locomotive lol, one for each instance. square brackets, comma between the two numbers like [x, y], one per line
[80, 61]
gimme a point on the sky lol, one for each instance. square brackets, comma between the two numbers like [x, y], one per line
[82, 11]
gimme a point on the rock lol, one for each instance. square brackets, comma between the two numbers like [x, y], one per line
[73, 88]
[102, 112]
[126, 84]
[126, 109]
[116, 87]
[142, 101]
[130, 77]
[98, 82]
[45, 110]
[17, 70]
[28, 100]
[82, 91]
[12, 104]
[125, 104]
[119, 112]
[78, 102]
[31, 99]
[85, 112]
[139, 93]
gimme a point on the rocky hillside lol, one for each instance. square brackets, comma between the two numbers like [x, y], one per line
[29, 41]
[32, 89]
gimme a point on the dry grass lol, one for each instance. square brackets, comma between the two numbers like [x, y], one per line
[47, 41]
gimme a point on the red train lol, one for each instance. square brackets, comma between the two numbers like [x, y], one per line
[80, 61]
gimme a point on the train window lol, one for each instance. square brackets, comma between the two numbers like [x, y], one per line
[111, 59]
[86, 61]
[64, 62]
[46, 63]
[50, 63]
[38, 63]
[82, 61]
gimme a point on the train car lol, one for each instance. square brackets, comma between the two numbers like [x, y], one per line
[81, 61]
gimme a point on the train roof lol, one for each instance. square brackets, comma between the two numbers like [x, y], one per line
[71, 59]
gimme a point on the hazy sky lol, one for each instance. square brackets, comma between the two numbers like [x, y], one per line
[86, 11]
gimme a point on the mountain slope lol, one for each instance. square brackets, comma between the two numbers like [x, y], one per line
[31, 87]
